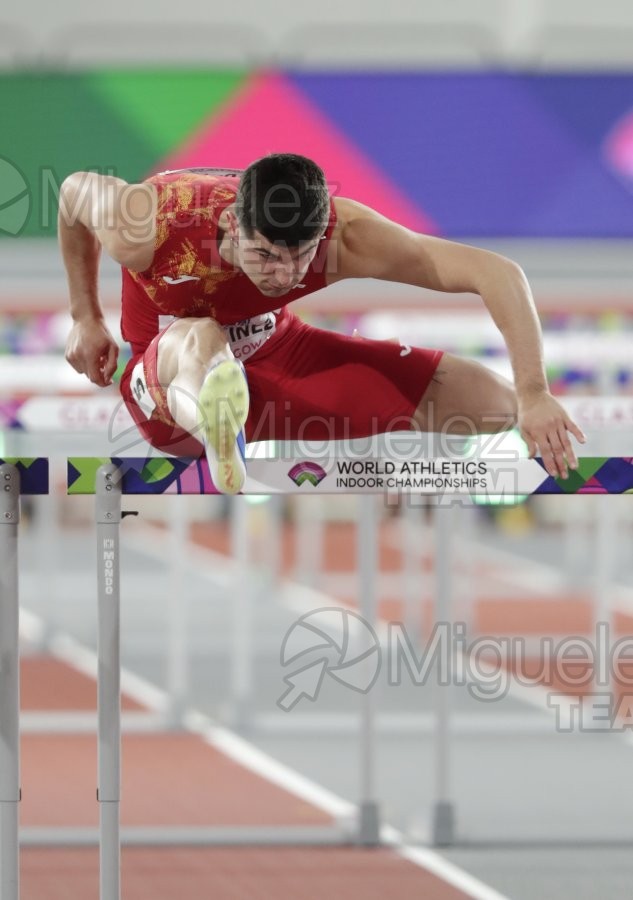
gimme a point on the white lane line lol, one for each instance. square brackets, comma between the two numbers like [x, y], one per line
[267, 767]
[84, 660]
[450, 873]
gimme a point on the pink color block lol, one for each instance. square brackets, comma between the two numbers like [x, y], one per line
[618, 146]
[592, 486]
[270, 115]
[189, 481]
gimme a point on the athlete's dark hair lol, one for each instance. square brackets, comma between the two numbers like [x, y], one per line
[285, 198]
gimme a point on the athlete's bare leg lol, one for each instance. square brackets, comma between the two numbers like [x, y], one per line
[207, 394]
[465, 397]
[186, 352]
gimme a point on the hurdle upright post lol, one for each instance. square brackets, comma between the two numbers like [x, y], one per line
[178, 612]
[241, 660]
[108, 518]
[9, 684]
[369, 813]
[443, 823]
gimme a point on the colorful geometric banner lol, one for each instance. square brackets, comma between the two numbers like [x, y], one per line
[467, 154]
[33, 473]
[363, 475]
[600, 475]
[143, 475]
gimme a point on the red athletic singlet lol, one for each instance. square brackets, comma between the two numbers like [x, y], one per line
[303, 382]
[188, 277]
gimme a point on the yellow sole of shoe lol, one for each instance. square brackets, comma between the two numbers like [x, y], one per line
[223, 409]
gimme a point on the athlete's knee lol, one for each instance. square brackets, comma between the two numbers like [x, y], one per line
[190, 345]
[201, 342]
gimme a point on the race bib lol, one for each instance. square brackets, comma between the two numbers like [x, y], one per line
[245, 337]
[248, 336]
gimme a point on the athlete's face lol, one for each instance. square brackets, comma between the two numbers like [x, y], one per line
[274, 268]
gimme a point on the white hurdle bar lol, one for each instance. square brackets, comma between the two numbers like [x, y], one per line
[489, 476]
[103, 413]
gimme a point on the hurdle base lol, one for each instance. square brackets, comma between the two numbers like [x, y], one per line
[239, 716]
[443, 828]
[368, 824]
[9, 851]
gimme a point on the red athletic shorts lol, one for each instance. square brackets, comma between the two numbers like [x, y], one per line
[305, 384]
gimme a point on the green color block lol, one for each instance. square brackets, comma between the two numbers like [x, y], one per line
[164, 107]
[577, 478]
[156, 470]
[15, 199]
[87, 467]
[117, 122]
[55, 124]
[588, 466]
[573, 483]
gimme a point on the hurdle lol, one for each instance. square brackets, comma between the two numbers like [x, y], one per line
[111, 478]
[18, 476]
[470, 476]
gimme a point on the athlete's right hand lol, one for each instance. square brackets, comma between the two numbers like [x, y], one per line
[92, 351]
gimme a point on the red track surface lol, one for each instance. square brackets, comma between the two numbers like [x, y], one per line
[179, 779]
[234, 874]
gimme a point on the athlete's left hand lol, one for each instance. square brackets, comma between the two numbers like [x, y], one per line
[545, 427]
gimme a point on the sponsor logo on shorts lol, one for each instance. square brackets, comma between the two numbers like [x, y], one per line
[311, 472]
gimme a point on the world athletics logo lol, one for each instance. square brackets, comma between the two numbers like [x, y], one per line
[307, 471]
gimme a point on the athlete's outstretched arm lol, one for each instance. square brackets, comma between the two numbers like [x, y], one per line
[98, 211]
[372, 246]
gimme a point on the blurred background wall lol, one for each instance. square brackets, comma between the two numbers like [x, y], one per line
[500, 32]
[495, 118]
